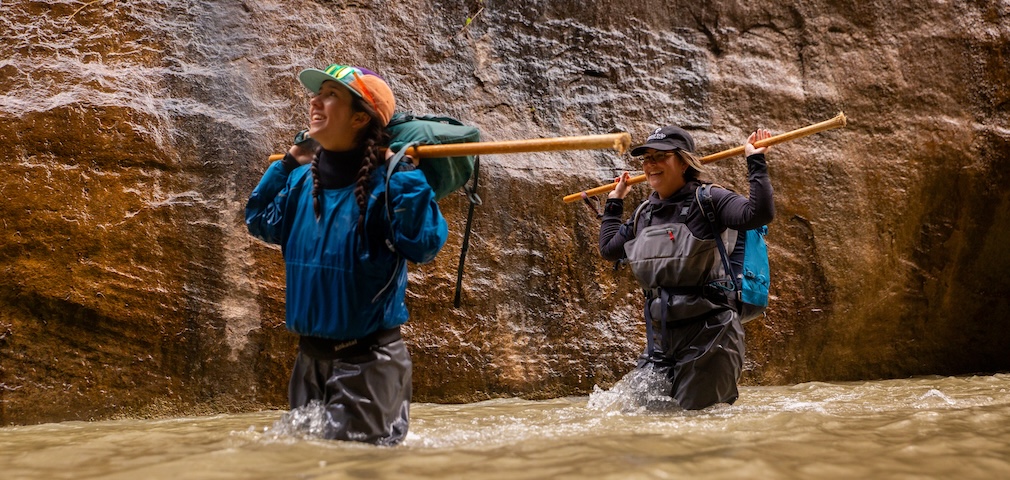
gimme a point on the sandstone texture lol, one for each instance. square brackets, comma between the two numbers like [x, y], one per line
[134, 130]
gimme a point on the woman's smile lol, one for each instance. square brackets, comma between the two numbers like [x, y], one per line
[317, 118]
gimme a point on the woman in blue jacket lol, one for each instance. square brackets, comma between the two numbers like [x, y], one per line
[345, 257]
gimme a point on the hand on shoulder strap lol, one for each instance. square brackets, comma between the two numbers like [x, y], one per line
[406, 158]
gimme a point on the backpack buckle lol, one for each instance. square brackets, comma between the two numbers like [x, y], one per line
[722, 286]
[471, 194]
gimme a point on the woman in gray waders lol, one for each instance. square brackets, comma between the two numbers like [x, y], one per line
[327, 207]
[694, 334]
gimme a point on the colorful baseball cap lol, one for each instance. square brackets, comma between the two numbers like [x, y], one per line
[362, 82]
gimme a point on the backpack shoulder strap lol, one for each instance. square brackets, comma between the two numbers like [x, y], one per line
[475, 200]
[391, 166]
[704, 197]
[635, 216]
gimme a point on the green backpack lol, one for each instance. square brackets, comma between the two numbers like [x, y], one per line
[444, 174]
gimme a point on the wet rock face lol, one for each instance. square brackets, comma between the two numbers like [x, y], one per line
[134, 131]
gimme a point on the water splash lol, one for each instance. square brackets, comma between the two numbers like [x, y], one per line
[307, 422]
[641, 390]
[934, 393]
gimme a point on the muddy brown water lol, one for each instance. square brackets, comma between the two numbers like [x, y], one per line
[926, 427]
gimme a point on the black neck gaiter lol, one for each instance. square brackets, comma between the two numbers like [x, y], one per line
[339, 169]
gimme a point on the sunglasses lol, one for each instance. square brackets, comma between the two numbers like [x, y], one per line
[655, 157]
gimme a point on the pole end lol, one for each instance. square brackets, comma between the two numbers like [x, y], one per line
[622, 143]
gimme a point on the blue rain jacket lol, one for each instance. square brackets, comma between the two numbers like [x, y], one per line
[335, 275]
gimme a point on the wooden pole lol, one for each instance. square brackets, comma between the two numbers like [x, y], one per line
[837, 121]
[616, 141]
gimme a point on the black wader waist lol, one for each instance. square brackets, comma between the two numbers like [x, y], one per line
[330, 349]
[711, 292]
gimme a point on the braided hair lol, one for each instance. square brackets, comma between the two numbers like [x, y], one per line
[373, 137]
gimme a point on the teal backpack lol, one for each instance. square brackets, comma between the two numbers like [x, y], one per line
[444, 174]
[748, 264]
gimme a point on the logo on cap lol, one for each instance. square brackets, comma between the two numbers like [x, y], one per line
[657, 135]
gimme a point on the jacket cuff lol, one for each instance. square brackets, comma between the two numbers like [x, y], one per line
[289, 162]
[614, 207]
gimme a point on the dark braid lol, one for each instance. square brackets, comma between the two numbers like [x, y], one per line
[375, 138]
[317, 205]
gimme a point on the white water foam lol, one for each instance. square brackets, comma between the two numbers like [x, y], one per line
[641, 390]
[307, 422]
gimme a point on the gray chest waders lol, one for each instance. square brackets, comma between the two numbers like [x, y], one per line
[672, 265]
